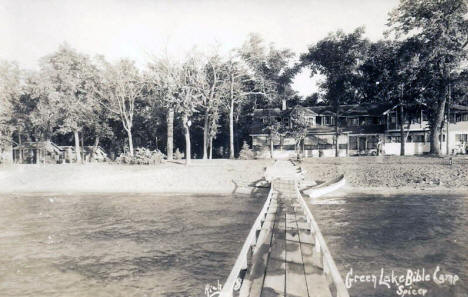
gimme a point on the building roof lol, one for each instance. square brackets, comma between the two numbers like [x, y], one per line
[365, 129]
[307, 111]
[45, 145]
[267, 112]
[368, 109]
[458, 107]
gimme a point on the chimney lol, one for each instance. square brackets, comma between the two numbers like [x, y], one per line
[283, 107]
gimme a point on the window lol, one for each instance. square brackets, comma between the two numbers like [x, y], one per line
[353, 142]
[462, 117]
[372, 142]
[418, 138]
[328, 120]
[461, 137]
[393, 139]
[353, 121]
[311, 121]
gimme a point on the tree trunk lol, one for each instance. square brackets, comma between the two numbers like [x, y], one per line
[436, 126]
[95, 146]
[77, 146]
[449, 99]
[38, 154]
[402, 130]
[205, 136]
[130, 141]
[231, 130]
[337, 134]
[187, 140]
[236, 135]
[271, 145]
[170, 134]
[82, 148]
[303, 148]
[211, 147]
[20, 151]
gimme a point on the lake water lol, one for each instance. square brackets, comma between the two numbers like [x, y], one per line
[120, 244]
[368, 232]
[174, 245]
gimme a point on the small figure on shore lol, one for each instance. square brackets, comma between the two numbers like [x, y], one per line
[379, 145]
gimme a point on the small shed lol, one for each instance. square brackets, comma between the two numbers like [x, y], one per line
[37, 152]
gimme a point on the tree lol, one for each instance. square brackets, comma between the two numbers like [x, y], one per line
[238, 86]
[41, 108]
[176, 87]
[121, 85]
[164, 79]
[389, 74]
[440, 27]
[188, 99]
[209, 86]
[338, 57]
[10, 91]
[68, 76]
[271, 77]
[299, 126]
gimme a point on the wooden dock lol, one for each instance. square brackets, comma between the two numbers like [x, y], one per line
[285, 253]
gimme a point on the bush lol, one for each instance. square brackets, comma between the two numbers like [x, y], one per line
[178, 155]
[143, 156]
[246, 153]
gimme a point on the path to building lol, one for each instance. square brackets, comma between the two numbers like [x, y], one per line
[284, 254]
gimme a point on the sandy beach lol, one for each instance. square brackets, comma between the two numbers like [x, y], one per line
[381, 174]
[209, 176]
[392, 173]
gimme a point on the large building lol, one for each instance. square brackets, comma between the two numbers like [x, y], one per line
[365, 129]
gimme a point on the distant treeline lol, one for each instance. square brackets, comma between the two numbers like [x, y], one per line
[203, 103]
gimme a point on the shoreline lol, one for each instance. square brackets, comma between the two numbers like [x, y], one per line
[221, 177]
[225, 177]
[437, 190]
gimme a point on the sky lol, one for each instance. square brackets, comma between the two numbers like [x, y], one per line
[141, 29]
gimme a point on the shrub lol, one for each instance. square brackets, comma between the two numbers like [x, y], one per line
[142, 156]
[178, 155]
[246, 153]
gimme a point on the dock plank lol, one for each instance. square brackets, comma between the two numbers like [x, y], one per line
[284, 261]
[305, 236]
[261, 258]
[296, 284]
[275, 278]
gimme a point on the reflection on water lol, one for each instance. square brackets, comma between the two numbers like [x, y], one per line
[120, 244]
[369, 232]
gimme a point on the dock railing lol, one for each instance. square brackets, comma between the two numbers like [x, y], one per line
[330, 270]
[233, 281]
